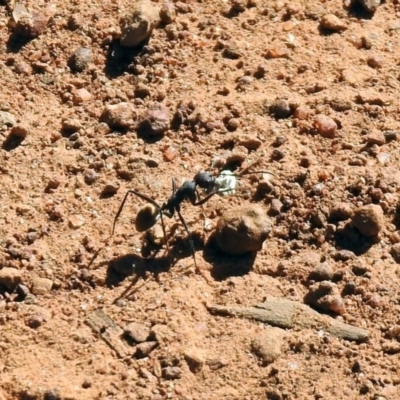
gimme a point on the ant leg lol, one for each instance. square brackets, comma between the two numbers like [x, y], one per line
[189, 236]
[165, 235]
[142, 196]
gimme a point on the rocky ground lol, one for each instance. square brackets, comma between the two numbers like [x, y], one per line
[99, 97]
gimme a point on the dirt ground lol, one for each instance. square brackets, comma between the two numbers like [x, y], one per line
[219, 85]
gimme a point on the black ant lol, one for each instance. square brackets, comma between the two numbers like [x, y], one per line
[151, 212]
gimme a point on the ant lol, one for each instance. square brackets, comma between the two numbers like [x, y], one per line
[148, 215]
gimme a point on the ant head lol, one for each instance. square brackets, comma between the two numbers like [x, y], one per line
[204, 179]
[147, 217]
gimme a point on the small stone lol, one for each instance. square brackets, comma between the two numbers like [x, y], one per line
[71, 124]
[87, 383]
[20, 131]
[302, 113]
[137, 332]
[10, 278]
[276, 207]
[7, 119]
[80, 59]
[233, 124]
[394, 251]
[322, 272]
[278, 50]
[195, 359]
[375, 62]
[370, 5]
[376, 137]
[156, 120]
[81, 95]
[35, 321]
[332, 23]
[326, 296]
[171, 373]
[268, 345]
[118, 116]
[22, 291]
[368, 219]
[170, 153]
[31, 25]
[76, 221]
[343, 255]
[168, 13]
[325, 126]
[41, 286]
[111, 188]
[232, 51]
[137, 22]
[90, 176]
[144, 349]
[341, 212]
[280, 108]
[242, 230]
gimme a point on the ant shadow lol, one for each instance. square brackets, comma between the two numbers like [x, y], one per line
[225, 266]
[16, 43]
[121, 268]
[349, 238]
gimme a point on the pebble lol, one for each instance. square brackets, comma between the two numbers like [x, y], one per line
[137, 22]
[343, 255]
[332, 23]
[90, 176]
[110, 188]
[22, 291]
[326, 296]
[80, 59]
[370, 5]
[276, 207]
[325, 126]
[395, 252]
[30, 25]
[376, 137]
[137, 332]
[118, 116]
[368, 219]
[322, 272]
[280, 108]
[341, 212]
[156, 121]
[278, 50]
[375, 62]
[144, 349]
[195, 359]
[7, 119]
[167, 13]
[242, 230]
[71, 124]
[20, 130]
[41, 286]
[35, 321]
[10, 278]
[81, 95]
[268, 345]
[171, 373]
[76, 221]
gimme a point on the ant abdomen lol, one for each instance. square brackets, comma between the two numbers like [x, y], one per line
[147, 217]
